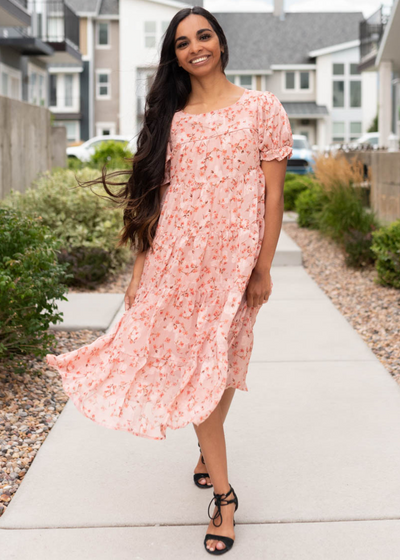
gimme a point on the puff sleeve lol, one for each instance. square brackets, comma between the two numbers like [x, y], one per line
[275, 139]
[167, 174]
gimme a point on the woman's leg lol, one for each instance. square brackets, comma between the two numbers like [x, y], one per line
[224, 404]
[211, 436]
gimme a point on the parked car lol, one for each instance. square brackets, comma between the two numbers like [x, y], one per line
[302, 160]
[371, 138]
[87, 149]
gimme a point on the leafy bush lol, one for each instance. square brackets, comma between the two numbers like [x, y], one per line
[290, 176]
[308, 206]
[112, 154]
[89, 265]
[76, 215]
[386, 247]
[357, 245]
[292, 189]
[30, 279]
[343, 212]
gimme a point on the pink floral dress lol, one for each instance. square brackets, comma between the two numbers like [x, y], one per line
[189, 333]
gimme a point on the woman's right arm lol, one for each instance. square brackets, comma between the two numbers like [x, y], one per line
[134, 283]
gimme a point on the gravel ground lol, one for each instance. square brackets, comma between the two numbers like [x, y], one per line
[371, 309]
[30, 404]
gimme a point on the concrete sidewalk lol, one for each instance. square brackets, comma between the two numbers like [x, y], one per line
[313, 452]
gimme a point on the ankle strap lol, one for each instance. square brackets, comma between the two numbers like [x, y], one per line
[219, 502]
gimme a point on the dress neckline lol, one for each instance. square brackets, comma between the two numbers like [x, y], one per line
[215, 110]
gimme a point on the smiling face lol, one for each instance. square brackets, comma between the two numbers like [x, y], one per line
[197, 46]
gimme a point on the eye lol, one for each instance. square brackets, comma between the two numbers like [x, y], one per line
[205, 35]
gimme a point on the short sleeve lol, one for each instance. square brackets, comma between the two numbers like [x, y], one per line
[275, 138]
[167, 174]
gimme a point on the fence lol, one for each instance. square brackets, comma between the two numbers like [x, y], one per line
[29, 144]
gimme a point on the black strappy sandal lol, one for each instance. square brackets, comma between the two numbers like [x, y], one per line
[198, 476]
[228, 542]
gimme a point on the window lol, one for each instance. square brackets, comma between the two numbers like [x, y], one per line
[355, 130]
[164, 25]
[10, 82]
[53, 90]
[32, 83]
[355, 93]
[105, 129]
[4, 84]
[246, 81]
[72, 129]
[290, 80]
[304, 80]
[68, 90]
[103, 34]
[150, 34]
[338, 69]
[338, 131]
[103, 85]
[338, 94]
[41, 90]
[354, 69]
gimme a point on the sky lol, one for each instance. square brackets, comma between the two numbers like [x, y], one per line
[367, 7]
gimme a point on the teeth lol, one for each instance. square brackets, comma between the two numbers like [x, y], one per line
[199, 59]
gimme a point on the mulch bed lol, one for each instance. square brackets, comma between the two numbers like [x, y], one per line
[372, 310]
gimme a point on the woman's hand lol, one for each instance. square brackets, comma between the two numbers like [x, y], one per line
[259, 288]
[131, 292]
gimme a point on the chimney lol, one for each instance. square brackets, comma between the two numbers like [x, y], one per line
[279, 9]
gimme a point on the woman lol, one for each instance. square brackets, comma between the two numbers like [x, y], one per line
[205, 245]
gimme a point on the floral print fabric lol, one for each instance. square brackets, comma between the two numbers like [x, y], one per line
[189, 333]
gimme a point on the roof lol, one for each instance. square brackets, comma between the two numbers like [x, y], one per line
[109, 7]
[304, 109]
[286, 41]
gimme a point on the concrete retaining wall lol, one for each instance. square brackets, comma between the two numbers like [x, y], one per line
[29, 145]
[385, 182]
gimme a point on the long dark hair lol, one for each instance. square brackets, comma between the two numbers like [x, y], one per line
[168, 93]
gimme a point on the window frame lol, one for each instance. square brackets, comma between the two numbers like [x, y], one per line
[102, 84]
[297, 81]
[147, 34]
[98, 26]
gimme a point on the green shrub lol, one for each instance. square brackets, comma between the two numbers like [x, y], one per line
[386, 247]
[112, 154]
[30, 279]
[89, 265]
[290, 176]
[74, 163]
[76, 215]
[344, 211]
[308, 206]
[292, 189]
[357, 245]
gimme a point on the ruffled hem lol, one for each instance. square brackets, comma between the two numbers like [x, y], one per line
[123, 381]
[51, 359]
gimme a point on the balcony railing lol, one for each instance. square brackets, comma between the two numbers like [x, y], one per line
[53, 21]
[371, 32]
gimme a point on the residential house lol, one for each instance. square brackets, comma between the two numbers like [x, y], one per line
[309, 60]
[380, 52]
[33, 34]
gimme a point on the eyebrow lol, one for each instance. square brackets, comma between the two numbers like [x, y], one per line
[198, 33]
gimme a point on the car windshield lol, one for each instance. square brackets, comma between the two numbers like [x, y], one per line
[300, 144]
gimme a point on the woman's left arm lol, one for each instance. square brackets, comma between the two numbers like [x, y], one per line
[260, 284]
